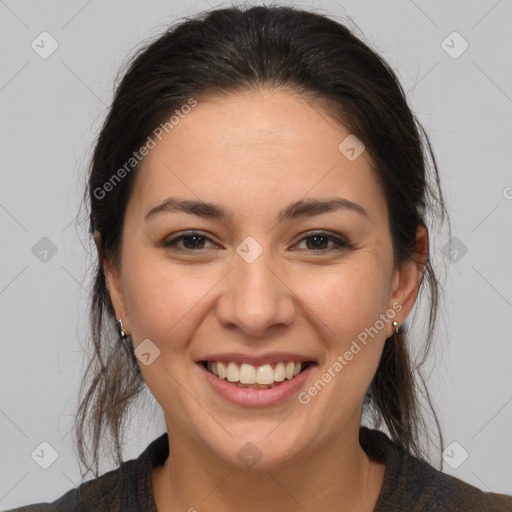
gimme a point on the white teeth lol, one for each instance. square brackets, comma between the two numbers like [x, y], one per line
[221, 370]
[232, 373]
[279, 372]
[247, 374]
[264, 374]
[288, 372]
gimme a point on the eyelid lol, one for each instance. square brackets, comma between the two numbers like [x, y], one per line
[340, 242]
[171, 243]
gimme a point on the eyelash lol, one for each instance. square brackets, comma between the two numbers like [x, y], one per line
[340, 243]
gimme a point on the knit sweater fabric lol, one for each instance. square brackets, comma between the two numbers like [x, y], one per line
[410, 485]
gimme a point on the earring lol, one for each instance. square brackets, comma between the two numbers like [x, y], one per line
[125, 338]
[120, 328]
[396, 325]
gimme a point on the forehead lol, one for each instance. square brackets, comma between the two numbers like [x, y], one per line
[256, 149]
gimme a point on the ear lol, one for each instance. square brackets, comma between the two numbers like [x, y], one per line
[114, 284]
[407, 278]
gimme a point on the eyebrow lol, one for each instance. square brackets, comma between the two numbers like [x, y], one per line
[298, 209]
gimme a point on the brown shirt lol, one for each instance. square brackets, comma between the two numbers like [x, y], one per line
[410, 485]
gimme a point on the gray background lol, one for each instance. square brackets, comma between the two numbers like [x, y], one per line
[51, 110]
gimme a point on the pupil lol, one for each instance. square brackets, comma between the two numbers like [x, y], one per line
[317, 241]
[197, 239]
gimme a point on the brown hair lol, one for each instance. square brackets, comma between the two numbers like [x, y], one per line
[225, 51]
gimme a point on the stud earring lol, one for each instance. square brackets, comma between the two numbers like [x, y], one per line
[396, 325]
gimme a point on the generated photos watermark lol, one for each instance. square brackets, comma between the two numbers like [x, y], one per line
[143, 151]
[304, 397]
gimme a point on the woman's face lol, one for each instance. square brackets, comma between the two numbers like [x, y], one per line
[264, 282]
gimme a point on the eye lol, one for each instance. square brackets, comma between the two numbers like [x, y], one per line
[192, 241]
[319, 242]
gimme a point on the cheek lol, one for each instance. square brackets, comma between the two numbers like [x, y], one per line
[349, 302]
[347, 298]
[160, 298]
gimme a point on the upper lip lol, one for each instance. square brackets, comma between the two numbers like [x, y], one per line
[272, 357]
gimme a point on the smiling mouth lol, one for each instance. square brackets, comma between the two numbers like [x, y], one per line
[248, 376]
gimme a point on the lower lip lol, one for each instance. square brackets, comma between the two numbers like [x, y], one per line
[247, 397]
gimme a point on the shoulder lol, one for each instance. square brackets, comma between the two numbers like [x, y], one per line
[414, 485]
[126, 488]
[97, 492]
[431, 490]
[445, 492]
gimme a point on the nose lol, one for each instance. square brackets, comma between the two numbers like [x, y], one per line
[255, 297]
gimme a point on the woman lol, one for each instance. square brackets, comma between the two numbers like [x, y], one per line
[259, 195]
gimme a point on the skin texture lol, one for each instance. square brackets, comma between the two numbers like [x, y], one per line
[254, 153]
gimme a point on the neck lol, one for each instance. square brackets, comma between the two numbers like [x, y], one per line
[336, 476]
